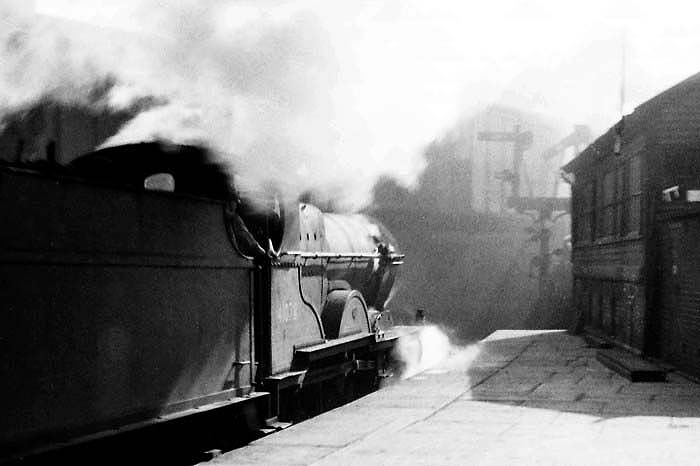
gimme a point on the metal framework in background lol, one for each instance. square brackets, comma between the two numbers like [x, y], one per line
[544, 210]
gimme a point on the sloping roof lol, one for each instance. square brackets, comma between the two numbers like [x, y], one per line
[672, 94]
[672, 117]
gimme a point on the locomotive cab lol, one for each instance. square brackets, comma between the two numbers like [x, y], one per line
[255, 227]
[154, 166]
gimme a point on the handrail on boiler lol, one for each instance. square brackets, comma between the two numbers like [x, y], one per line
[394, 258]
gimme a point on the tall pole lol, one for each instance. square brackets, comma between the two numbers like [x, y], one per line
[623, 74]
[544, 214]
[517, 161]
[487, 181]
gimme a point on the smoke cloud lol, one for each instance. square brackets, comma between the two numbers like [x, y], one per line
[253, 87]
[327, 95]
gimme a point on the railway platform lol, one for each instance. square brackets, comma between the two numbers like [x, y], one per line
[516, 397]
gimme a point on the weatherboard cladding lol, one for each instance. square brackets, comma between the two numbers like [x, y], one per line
[610, 278]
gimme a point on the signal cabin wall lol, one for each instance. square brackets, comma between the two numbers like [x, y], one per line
[636, 227]
[608, 243]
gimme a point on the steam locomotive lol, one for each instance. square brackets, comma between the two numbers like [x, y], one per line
[138, 287]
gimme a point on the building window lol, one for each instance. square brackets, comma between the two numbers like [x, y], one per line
[585, 212]
[620, 199]
[599, 230]
[616, 204]
[588, 226]
[634, 202]
[625, 195]
[609, 205]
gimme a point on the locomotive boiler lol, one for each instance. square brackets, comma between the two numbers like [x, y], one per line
[139, 287]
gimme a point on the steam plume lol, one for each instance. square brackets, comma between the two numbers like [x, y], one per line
[332, 94]
[430, 349]
[254, 88]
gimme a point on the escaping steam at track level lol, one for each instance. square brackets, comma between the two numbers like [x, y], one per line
[430, 348]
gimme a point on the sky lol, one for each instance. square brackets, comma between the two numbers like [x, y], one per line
[372, 82]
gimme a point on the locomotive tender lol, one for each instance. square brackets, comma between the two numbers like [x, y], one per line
[137, 287]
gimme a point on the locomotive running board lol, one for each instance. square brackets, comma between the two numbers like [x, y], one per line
[368, 340]
[308, 354]
[303, 357]
[333, 347]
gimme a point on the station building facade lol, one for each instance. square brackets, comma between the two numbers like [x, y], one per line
[636, 230]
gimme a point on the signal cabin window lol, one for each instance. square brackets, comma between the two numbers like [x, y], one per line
[620, 200]
[634, 202]
[617, 202]
[585, 218]
[608, 226]
[624, 190]
[599, 231]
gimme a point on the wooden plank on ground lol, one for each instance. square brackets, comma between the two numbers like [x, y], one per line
[631, 366]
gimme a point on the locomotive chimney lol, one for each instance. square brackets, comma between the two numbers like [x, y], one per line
[420, 317]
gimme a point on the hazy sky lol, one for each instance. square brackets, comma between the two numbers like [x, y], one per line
[402, 71]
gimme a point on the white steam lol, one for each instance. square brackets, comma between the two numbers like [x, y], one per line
[329, 95]
[430, 349]
[254, 87]
[40, 59]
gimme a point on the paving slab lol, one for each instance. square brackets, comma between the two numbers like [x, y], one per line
[276, 455]
[518, 397]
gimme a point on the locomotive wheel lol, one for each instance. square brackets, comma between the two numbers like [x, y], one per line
[345, 313]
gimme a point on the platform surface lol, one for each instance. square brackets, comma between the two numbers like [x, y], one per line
[517, 397]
